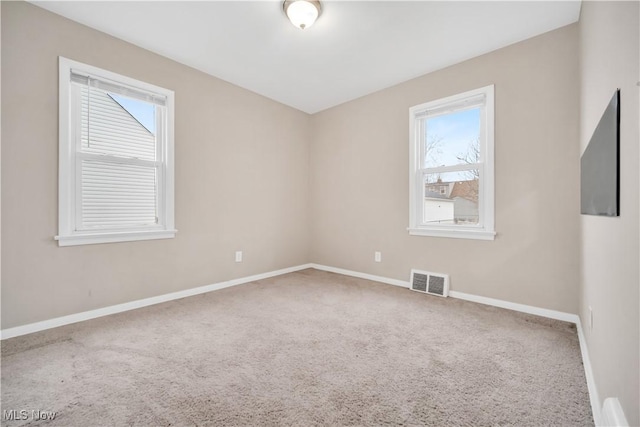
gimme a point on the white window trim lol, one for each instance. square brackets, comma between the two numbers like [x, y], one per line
[485, 231]
[67, 235]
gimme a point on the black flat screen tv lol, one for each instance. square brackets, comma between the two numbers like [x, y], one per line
[600, 165]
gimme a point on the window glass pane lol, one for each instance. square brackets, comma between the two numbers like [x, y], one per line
[143, 112]
[452, 139]
[451, 198]
[116, 125]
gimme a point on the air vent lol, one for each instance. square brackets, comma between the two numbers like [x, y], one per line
[430, 283]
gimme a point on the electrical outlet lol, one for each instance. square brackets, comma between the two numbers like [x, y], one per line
[590, 319]
[377, 256]
[238, 256]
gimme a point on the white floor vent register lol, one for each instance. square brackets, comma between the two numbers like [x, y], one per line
[430, 283]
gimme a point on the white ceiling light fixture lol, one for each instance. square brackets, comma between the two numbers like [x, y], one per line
[302, 13]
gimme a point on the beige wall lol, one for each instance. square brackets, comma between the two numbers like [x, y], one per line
[360, 178]
[610, 48]
[241, 178]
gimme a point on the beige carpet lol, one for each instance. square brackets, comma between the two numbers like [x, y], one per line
[307, 348]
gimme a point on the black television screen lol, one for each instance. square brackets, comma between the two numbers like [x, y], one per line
[599, 166]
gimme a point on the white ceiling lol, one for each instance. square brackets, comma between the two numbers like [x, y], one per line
[355, 48]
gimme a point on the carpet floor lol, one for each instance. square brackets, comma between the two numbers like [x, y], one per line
[306, 348]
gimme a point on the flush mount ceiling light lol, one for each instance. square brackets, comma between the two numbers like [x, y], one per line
[302, 13]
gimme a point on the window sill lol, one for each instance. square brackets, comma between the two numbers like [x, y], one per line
[114, 237]
[456, 234]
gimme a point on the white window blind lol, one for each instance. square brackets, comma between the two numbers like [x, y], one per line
[117, 195]
[459, 105]
[119, 176]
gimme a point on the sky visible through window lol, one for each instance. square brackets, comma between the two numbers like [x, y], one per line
[143, 112]
[452, 138]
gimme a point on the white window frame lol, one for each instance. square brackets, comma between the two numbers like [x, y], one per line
[485, 229]
[69, 231]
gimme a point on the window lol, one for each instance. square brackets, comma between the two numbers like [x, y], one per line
[116, 158]
[451, 166]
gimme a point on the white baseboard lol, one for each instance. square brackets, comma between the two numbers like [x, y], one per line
[588, 372]
[552, 314]
[119, 308]
[529, 309]
[359, 275]
[612, 413]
